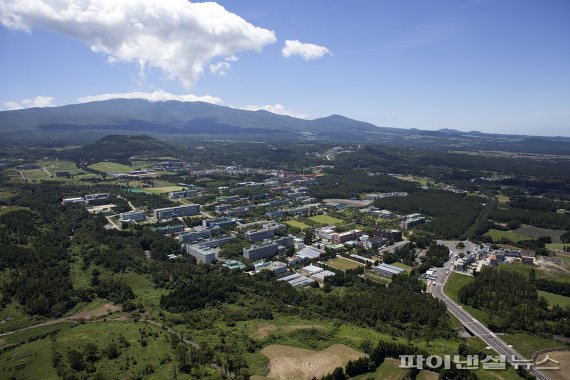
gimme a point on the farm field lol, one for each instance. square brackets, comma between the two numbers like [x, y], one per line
[343, 264]
[536, 232]
[111, 167]
[296, 223]
[555, 299]
[562, 357]
[325, 219]
[557, 246]
[511, 235]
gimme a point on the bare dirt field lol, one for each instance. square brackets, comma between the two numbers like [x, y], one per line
[286, 362]
[96, 312]
[563, 358]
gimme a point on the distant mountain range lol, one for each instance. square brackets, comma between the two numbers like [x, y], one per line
[89, 121]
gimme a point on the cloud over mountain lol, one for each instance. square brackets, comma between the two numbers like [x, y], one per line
[176, 36]
[156, 96]
[38, 101]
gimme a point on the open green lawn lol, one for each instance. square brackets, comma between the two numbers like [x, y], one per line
[162, 190]
[555, 299]
[536, 232]
[511, 235]
[296, 223]
[456, 281]
[343, 264]
[326, 219]
[111, 167]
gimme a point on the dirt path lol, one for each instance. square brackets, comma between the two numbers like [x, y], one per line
[86, 315]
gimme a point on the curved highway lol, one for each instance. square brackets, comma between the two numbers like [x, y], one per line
[473, 325]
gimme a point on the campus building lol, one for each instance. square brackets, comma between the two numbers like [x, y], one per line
[182, 194]
[136, 216]
[177, 211]
[202, 254]
[173, 229]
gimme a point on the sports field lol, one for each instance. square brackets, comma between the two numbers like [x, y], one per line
[325, 219]
[163, 190]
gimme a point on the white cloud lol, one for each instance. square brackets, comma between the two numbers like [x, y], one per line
[277, 108]
[157, 96]
[219, 68]
[38, 101]
[307, 51]
[177, 36]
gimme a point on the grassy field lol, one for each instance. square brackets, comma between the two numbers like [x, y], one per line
[503, 198]
[405, 267]
[557, 246]
[343, 264]
[528, 344]
[536, 232]
[162, 190]
[297, 224]
[555, 299]
[325, 219]
[561, 274]
[36, 175]
[8, 209]
[511, 235]
[456, 281]
[421, 180]
[389, 370]
[110, 167]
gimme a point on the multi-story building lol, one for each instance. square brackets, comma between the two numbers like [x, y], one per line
[254, 236]
[343, 237]
[394, 235]
[228, 198]
[173, 229]
[411, 222]
[219, 222]
[238, 211]
[256, 252]
[222, 207]
[96, 197]
[182, 194]
[387, 270]
[177, 211]
[196, 235]
[136, 216]
[212, 243]
[267, 232]
[202, 254]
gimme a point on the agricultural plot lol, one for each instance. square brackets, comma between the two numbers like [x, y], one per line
[536, 232]
[343, 264]
[511, 235]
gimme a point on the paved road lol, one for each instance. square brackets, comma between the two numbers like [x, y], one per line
[473, 325]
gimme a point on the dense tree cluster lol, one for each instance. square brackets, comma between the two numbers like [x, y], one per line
[512, 302]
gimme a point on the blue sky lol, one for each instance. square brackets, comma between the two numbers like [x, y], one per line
[494, 66]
